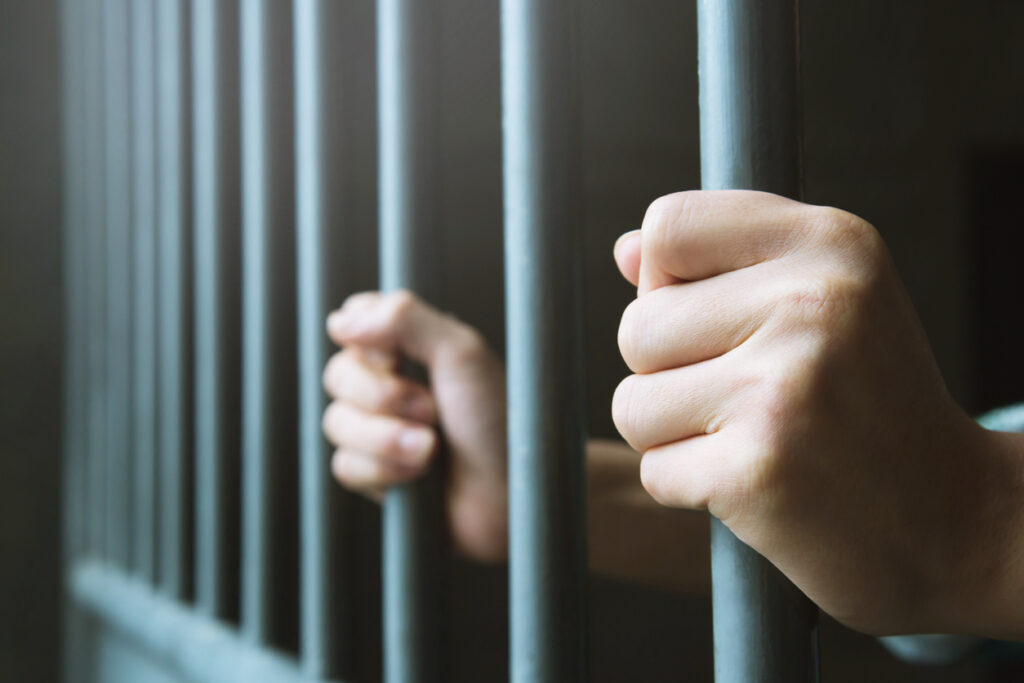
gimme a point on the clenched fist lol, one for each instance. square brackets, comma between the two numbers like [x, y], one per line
[784, 383]
[385, 426]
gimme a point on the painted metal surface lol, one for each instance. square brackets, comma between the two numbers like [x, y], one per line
[144, 381]
[174, 323]
[765, 629]
[329, 623]
[117, 186]
[216, 231]
[75, 268]
[412, 523]
[196, 647]
[95, 229]
[544, 341]
[268, 304]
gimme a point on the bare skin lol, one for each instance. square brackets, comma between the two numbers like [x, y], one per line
[373, 407]
[782, 382]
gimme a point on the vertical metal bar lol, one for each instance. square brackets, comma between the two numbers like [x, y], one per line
[216, 296]
[118, 219]
[75, 282]
[765, 630]
[412, 539]
[544, 341]
[328, 622]
[76, 315]
[144, 288]
[268, 303]
[172, 224]
[95, 228]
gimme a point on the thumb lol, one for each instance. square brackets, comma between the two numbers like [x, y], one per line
[396, 321]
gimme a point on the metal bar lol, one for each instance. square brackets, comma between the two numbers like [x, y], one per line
[268, 303]
[765, 630]
[96, 241]
[216, 301]
[118, 220]
[409, 215]
[544, 341]
[195, 647]
[75, 282]
[173, 211]
[144, 288]
[329, 624]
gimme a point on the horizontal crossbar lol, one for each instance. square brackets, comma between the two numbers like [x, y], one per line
[200, 649]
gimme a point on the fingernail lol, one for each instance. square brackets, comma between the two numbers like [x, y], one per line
[415, 444]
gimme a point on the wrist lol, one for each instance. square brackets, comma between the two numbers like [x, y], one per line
[989, 599]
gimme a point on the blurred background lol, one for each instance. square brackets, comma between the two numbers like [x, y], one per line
[914, 119]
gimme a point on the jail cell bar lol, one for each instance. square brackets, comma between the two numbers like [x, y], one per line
[216, 274]
[543, 270]
[173, 211]
[408, 199]
[154, 168]
[765, 629]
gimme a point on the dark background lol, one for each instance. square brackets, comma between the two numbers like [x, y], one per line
[914, 119]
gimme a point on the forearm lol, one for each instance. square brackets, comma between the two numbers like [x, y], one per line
[634, 538]
[992, 603]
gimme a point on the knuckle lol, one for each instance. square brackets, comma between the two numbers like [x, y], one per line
[653, 479]
[664, 216]
[330, 421]
[332, 375]
[848, 233]
[625, 412]
[399, 304]
[466, 344]
[630, 335]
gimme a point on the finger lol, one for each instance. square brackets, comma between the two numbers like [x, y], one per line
[367, 474]
[651, 410]
[383, 360]
[348, 378]
[627, 256]
[399, 321]
[690, 322]
[695, 235]
[692, 473]
[388, 438]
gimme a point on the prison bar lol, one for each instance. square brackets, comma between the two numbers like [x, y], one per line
[765, 629]
[94, 217]
[408, 196]
[216, 299]
[75, 509]
[173, 212]
[268, 303]
[328, 620]
[144, 387]
[544, 341]
[118, 222]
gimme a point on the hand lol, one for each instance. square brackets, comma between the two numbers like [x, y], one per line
[784, 383]
[384, 425]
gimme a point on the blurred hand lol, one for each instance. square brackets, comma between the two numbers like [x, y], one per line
[784, 383]
[385, 425]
